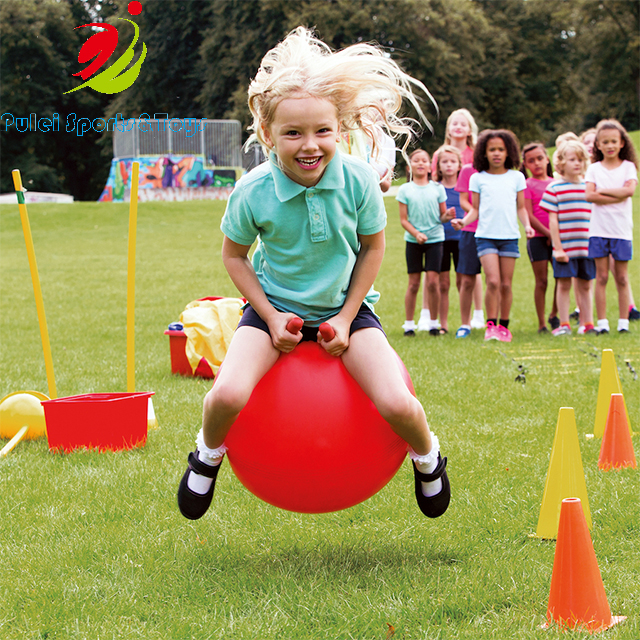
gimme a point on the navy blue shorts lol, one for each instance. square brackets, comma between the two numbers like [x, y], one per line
[363, 320]
[621, 250]
[468, 261]
[539, 248]
[583, 268]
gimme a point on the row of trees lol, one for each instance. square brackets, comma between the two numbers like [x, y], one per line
[533, 66]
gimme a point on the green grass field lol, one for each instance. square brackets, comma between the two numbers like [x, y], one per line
[93, 545]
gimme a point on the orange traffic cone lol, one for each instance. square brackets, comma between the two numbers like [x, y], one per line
[577, 597]
[616, 451]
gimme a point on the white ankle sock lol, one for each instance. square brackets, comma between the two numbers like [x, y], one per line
[428, 464]
[623, 324]
[212, 457]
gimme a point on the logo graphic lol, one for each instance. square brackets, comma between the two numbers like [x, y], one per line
[100, 46]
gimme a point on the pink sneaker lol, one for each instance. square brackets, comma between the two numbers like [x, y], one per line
[504, 335]
[491, 332]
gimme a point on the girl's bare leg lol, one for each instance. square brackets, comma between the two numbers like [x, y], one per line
[582, 292]
[602, 277]
[540, 272]
[491, 266]
[251, 354]
[564, 299]
[507, 267]
[373, 364]
[411, 295]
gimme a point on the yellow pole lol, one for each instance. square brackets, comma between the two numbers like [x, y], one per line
[131, 280]
[31, 254]
[13, 443]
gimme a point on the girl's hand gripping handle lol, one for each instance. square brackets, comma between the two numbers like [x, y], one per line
[327, 332]
[294, 325]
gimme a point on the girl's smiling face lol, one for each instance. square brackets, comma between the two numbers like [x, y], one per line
[536, 162]
[304, 134]
[459, 128]
[496, 153]
[610, 142]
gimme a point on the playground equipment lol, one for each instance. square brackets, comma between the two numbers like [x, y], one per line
[609, 383]
[103, 421]
[577, 598]
[565, 477]
[21, 418]
[309, 439]
[616, 451]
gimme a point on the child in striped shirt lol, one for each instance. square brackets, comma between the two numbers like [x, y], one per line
[569, 217]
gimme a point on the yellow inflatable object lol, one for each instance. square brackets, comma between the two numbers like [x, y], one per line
[20, 409]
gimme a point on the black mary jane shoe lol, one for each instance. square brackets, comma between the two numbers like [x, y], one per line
[194, 505]
[433, 506]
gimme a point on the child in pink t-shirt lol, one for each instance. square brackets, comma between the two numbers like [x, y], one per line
[536, 162]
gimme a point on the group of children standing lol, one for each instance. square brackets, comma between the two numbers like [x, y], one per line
[578, 219]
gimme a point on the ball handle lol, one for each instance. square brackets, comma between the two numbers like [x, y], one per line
[326, 330]
[294, 325]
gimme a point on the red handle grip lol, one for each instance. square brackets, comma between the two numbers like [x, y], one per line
[327, 332]
[294, 325]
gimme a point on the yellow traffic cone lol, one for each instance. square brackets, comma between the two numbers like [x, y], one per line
[609, 383]
[565, 478]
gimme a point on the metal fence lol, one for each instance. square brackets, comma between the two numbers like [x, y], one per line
[218, 141]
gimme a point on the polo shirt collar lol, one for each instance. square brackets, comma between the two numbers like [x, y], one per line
[287, 189]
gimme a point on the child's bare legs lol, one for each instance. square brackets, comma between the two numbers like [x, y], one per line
[491, 266]
[602, 277]
[445, 285]
[507, 267]
[621, 275]
[477, 293]
[411, 296]
[582, 290]
[432, 288]
[563, 299]
[371, 361]
[251, 354]
[540, 273]
[373, 364]
[467, 284]
[632, 302]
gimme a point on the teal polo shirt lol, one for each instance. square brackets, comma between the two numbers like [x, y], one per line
[307, 237]
[423, 209]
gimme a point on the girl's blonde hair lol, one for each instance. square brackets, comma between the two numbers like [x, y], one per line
[446, 148]
[472, 138]
[365, 85]
[563, 138]
[561, 154]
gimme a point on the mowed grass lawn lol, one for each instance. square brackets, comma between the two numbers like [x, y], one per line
[93, 546]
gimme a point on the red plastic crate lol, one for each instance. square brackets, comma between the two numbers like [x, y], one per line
[104, 421]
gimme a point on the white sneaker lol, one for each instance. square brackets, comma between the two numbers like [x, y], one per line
[477, 321]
